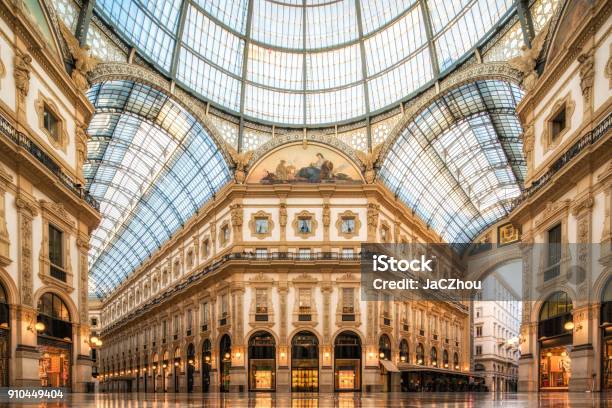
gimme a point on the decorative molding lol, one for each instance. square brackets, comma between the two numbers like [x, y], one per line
[252, 224]
[302, 215]
[581, 204]
[373, 214]
[26, 208]
[565, 102]
[61, 142]
[348, 214]
[5, 242]
[587, 78]
[21, 72]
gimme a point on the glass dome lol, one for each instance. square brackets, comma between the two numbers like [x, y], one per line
[304, 62]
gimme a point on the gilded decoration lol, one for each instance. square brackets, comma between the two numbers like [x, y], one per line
[507, 234]
[348, 224]
[369, 161]
[59, 141]
[84, 63]
[304, 224]
[297, 163]
[261, 224]
[21, 72]
[240, 162]
[569, 105]
[526, 62]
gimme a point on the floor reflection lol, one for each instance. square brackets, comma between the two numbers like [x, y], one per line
[321, 400]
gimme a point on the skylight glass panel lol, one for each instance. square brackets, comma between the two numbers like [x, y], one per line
[335, 68]
[450, 164]
[467, 27]
[396, 42]
[376, 13]
[331, 24]
[399, 82]
[149, 25]
[335, 106]
[208, 81]
[212, 42]
[275, 68]
[146, 180]
[277, 24]
[274, 106]
[231, 13]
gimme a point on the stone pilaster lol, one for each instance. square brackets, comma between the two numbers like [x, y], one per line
[26, 211]
[5, 180]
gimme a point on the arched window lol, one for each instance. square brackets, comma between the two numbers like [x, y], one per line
[262, 361]
[225, 356]
[53, 313]
[304, 362]
[384, 347]
[404, 351]
[456, 361]
[347, 362]
[445, 358]
[556, 316]
[434, 356]
[420, 354]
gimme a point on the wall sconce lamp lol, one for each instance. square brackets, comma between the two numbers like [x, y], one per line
[569, 325]
[237, 354]
[164, 365]
[381, 355]
[207, 359]
[282, 354]
[38, 327]
[190, 361]
[176, 363]
[326, 354]
[403, 359]
[94, 342]
[227, 356]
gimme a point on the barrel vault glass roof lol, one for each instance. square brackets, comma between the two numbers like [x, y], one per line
[151, 166]
[304, 62]
[459, 163]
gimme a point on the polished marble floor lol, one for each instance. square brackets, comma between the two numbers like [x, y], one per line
[345, 400]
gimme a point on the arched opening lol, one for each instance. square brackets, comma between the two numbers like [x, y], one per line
[445, 359]
[404, 351]
[347, 362]
[206, 365]
[5, 336]
[165, 370]
[177, 368]
[420, 354]
[304, 362]
[386, 366]
[54, 341]
[606, 336]
[456, 361]
[262, 362]
[190, 366]
[225, 362]
[145, 373]
[156, 370]
[433, 357]
[555, 337]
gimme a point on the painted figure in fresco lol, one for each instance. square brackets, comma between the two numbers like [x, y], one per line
[319, 171]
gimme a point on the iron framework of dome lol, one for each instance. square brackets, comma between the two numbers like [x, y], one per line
[304, 62]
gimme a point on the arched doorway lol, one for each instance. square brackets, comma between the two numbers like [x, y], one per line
[606, 337]
[5, 337]
[206, 365]
[347, 362]
[304, 362]
[225, 362]
[445, 359]
[190, 366]
[384, 353]
[177, 368]
[54, 341]
[555, 337]
[262, 362]
[456, 361]
[404, 351]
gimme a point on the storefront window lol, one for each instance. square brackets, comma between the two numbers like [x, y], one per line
[420, 354]
[54, 342]
[225, 358]
[404, 352]
[555, 367]
[347, 355]
[304, 363]
[206, 365]
[262, 362]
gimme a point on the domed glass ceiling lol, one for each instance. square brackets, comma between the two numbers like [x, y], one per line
[304, 62]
